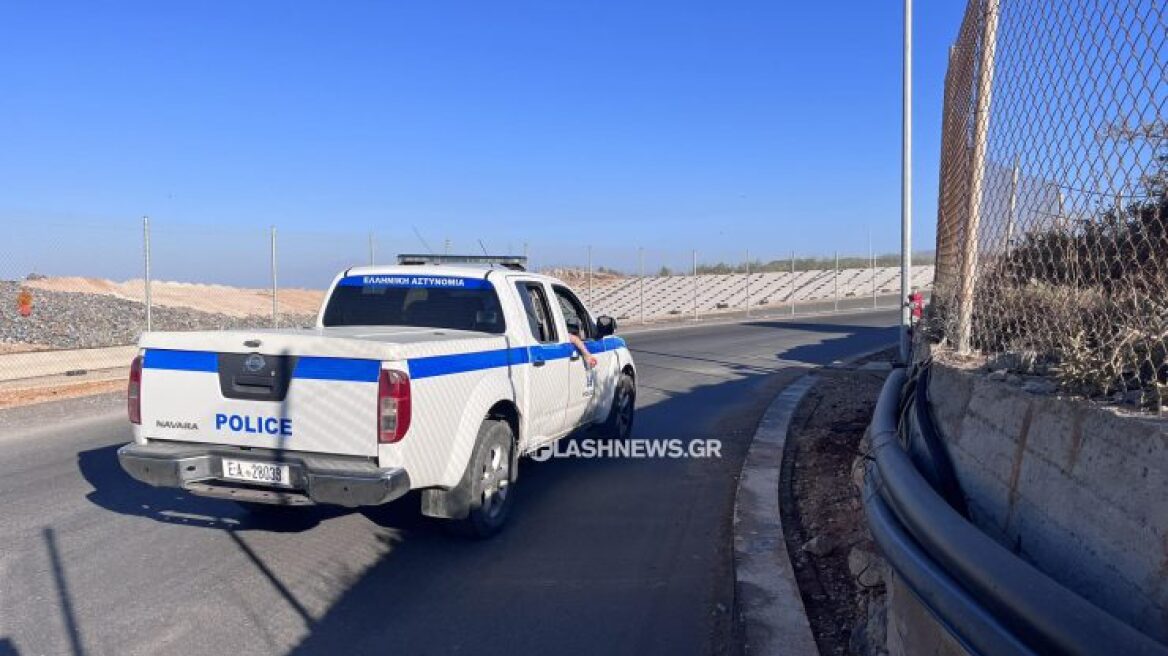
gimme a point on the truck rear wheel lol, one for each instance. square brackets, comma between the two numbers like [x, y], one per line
[491, 495]
[619, 424]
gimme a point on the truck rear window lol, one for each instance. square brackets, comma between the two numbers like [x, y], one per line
[454, 303]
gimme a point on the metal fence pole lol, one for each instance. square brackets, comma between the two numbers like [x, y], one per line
[695, 284]
[792, 283]
[146, 273]
[981, 124]
[835, 283]
[275, 285]
[372, 251]
[906, 187]
[748, 283]
[1012, 210]
[641, 270]
[872, 267]
[589, 275]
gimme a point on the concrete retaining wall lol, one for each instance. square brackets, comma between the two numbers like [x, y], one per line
[1076, 490]
[912, 629]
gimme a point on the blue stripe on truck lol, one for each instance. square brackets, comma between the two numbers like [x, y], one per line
[181, 360]
[457, 363]
[367, 371]
[362, 371]
[347, 369]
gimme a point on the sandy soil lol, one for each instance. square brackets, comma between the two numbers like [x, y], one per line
[21, 397]
[6, 348]
[233, 301]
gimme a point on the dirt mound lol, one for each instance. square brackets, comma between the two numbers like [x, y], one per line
[221, 299]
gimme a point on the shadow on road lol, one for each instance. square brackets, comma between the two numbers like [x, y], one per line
[600, 556]
[851, 340]
[114, 489]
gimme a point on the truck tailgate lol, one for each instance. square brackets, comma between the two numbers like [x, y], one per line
[260, 399]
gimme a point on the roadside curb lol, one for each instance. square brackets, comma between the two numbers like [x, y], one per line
[766, 593]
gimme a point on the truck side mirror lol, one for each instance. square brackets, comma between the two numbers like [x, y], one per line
[605, 325]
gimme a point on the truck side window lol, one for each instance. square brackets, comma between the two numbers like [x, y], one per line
[574, 312]
[539, 314]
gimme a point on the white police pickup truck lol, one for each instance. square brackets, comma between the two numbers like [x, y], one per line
[427, 376]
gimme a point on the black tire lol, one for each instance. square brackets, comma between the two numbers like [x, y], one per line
[489, 482]
[619, 424]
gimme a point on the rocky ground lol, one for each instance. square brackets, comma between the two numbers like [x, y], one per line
[836, 564]
[67, 320]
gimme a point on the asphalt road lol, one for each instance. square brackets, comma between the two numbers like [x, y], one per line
[608, 556]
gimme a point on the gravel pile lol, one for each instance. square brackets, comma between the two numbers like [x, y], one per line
[70, 320]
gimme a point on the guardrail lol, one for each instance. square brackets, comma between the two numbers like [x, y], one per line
[987, 598]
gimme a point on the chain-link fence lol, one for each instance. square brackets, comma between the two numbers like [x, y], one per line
[1052, 228]
[75, 297]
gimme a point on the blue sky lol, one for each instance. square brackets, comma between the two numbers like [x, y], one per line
[720, 126]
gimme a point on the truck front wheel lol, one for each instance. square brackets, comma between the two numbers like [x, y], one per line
[490, 481]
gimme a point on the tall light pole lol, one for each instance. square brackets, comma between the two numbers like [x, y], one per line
[906, 188]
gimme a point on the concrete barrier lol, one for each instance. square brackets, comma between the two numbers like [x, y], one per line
[1077, 490]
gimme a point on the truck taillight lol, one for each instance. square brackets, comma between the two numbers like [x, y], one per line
[134, 392]
[393, 406]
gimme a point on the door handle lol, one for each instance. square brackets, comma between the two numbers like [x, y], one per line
[575, 356]
[539, 362]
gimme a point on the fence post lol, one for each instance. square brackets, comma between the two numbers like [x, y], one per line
[372, 251]
[835, 284]
[748, 283]
[966, 281]
[906, 187]
[146, 273]
[590, 275]
[275, 285]
[695, 283]
[641, 271]
[1012, 210]
[872, 267]
[792, 283]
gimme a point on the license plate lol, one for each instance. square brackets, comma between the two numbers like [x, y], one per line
[257, 472]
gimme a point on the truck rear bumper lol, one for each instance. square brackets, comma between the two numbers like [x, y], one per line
[198, 469]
